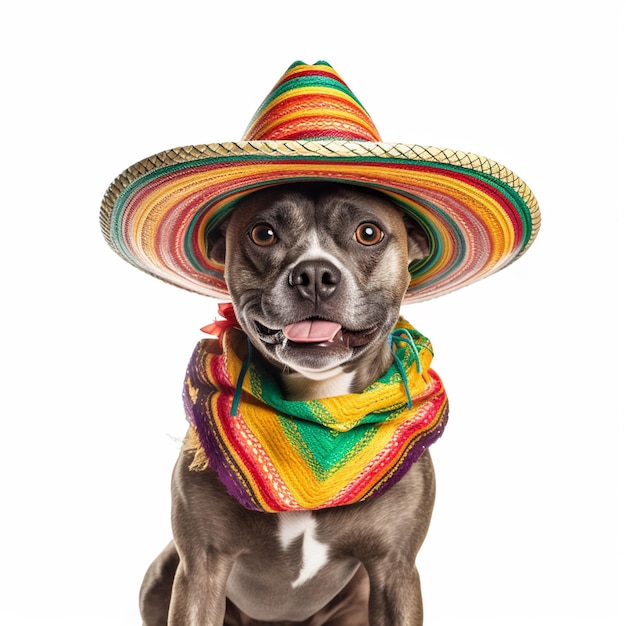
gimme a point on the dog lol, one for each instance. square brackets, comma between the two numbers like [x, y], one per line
[317, 274]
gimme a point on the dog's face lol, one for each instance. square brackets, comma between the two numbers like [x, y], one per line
[317, 273]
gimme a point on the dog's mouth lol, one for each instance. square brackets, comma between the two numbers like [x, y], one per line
[316, 332]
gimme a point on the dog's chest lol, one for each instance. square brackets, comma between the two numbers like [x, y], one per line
[297, 568]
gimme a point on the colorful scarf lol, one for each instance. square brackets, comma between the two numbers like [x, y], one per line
[274, 454]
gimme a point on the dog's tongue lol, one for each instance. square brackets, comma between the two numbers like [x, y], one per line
[312, 331]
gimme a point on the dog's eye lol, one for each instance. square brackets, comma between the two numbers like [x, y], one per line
[263, 235]
[368, 234]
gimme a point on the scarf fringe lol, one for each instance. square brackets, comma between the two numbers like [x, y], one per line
[192, 444]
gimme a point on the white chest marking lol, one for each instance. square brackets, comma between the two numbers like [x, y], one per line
[297, 524]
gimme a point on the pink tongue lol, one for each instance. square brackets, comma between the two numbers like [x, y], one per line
[312, 331]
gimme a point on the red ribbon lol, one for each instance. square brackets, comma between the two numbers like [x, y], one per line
[218, 327]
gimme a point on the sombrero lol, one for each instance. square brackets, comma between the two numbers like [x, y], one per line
[478, 216]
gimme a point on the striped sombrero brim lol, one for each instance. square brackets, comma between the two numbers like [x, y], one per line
[478, 215]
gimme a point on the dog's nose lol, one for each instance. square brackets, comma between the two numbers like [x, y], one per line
[315, 279]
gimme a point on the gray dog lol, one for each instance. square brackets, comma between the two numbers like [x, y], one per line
[317, 274]
[304, 489]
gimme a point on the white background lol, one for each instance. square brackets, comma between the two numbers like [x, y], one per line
[531, 473]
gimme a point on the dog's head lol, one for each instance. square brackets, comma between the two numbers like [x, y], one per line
[317, 273]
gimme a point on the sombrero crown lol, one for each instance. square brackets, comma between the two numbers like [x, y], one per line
[478, 215]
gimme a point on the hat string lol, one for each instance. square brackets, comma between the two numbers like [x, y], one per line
[399, 335]
[239, 386]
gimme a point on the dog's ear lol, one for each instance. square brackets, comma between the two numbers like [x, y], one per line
[216, 243]
[419, 248]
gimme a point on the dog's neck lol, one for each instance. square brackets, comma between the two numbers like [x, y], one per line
[298, 386]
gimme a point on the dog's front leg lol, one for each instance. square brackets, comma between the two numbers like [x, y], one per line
[395, 594]
[199, 592]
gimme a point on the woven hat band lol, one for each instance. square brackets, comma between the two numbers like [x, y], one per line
[311, 102]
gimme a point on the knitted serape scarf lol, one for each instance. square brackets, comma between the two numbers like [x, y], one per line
[277, 455]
